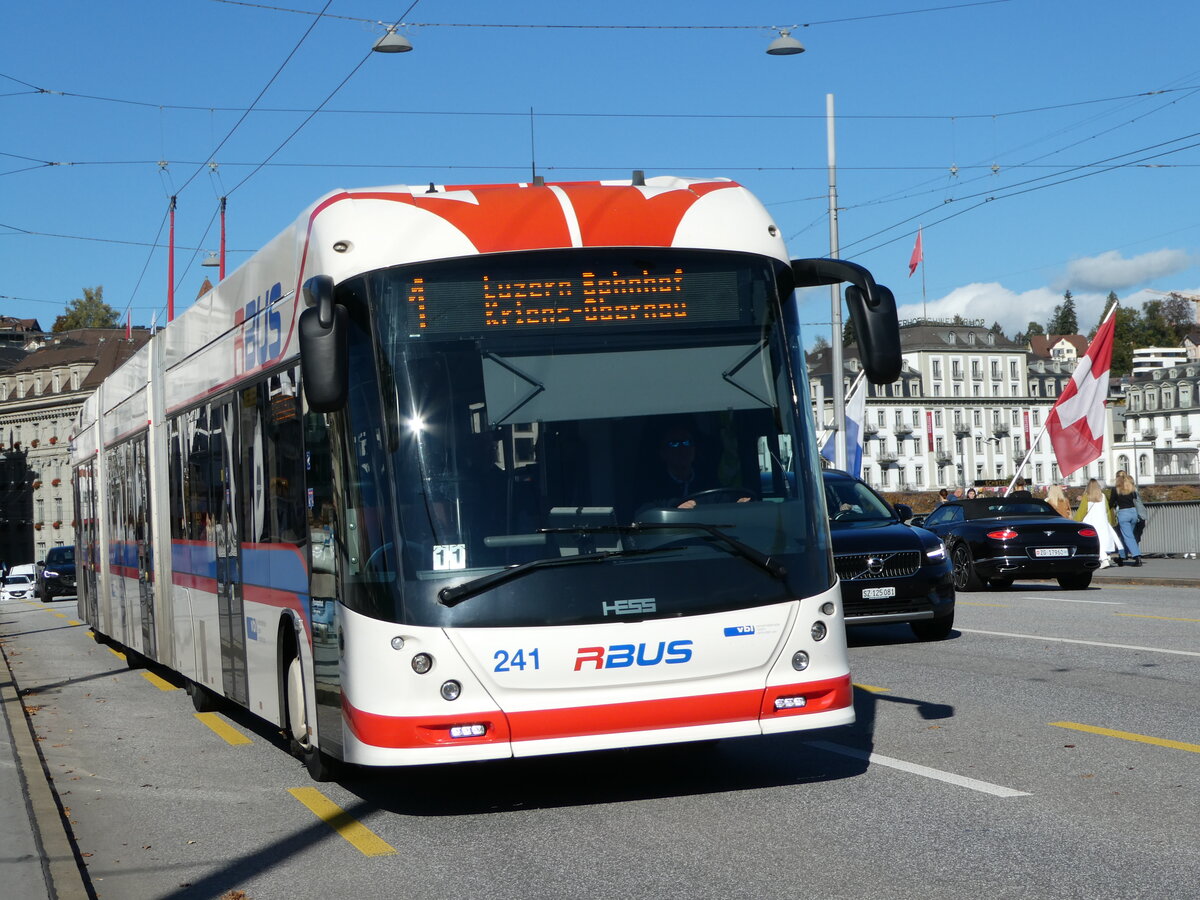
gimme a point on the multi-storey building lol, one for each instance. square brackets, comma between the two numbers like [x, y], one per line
[41, 392]
[1161, 425]
[965, 410]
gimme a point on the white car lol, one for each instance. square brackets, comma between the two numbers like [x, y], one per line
[17, 587]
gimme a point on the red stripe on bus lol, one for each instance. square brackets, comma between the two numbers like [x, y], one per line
[582, 721]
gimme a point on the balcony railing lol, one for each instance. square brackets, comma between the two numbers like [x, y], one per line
[887, 458]
[1000, 428]
[903, 428]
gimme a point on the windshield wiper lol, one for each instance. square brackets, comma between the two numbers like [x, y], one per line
[760, 559]
[452, 596]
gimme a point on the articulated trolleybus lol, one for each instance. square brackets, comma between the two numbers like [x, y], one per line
[465, 473]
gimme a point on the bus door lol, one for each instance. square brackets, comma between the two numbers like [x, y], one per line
[227, 537]
[141, 536]
[323, 580]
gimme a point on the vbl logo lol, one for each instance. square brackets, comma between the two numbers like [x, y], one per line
[622, 656]
[261, 336]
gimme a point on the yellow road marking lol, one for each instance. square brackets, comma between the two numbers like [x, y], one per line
[161, 683]
[1163, 618]
[872, 689]
[117, 653]
[359, 835]
[61, 615]
[73, 622]
[1130, 736]
[226, 731]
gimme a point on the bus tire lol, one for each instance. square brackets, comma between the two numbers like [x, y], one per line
[203, 699]
[321, 766]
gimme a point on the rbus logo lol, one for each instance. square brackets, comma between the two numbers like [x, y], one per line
[261, 335]
[622, 656]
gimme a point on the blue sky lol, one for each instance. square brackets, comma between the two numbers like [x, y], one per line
[1089, 112]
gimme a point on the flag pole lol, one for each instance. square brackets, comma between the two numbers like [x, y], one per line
[1032, 446]
[924, 314]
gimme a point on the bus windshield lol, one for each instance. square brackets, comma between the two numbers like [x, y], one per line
[511, 415]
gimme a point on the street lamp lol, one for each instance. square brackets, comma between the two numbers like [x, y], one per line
[785, 44]
[391, 42]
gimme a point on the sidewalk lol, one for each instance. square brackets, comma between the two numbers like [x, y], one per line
[1161, 572]
[36, 856]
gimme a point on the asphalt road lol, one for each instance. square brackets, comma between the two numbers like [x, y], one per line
[1050, 749]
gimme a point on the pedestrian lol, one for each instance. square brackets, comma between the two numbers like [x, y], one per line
[943, 496]
[1020, 491]
[1124, 500]
[1058, 499]
[1093, 510]
[971, 494]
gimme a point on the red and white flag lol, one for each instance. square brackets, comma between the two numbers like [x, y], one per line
[918, 255]
[1076, 423]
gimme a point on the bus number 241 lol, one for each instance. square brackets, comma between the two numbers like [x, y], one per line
[507, 661]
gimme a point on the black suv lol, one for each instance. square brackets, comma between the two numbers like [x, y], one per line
[889, 571]
[56, 574]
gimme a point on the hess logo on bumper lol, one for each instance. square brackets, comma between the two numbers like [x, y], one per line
[624, 656]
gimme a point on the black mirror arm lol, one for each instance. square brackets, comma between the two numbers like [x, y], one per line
[816, 272]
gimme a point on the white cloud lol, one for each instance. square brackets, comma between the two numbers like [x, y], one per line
[993, 302]
[1112, 272]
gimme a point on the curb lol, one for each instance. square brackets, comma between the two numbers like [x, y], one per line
[64, 880]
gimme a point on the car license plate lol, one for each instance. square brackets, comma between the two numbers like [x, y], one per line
[881, 593]
[1051, 551]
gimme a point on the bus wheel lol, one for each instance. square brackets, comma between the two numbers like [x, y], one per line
[203, 699]
[321, 766]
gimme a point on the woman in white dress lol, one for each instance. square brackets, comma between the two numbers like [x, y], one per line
[1093, 510]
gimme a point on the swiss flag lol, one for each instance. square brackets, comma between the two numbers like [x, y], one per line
[1076, 423]
[918, 255]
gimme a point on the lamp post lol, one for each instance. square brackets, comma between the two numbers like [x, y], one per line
[786, 45]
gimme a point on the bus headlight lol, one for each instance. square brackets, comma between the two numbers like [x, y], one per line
[799, 660]
[451, 690]
[422, 663]
[819, 631]
[827, 609]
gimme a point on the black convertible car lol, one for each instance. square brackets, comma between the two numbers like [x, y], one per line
[997, 540]
[889, 571]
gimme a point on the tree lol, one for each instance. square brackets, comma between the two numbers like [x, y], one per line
[90, 311]
[1034, 328]
[1064, 320]
[820, 344]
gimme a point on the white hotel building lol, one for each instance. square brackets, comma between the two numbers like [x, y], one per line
[964, 411]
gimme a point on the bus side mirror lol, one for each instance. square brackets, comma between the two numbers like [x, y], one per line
[324, 353]
[877, 331]
[872, 313]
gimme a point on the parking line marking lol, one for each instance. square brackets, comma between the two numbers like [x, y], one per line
[362, 838]
[872, 688]
[1130, 736]
[226, 731]
[161, 683]
[1164, 618]
[1042, 637]
[973, 784]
